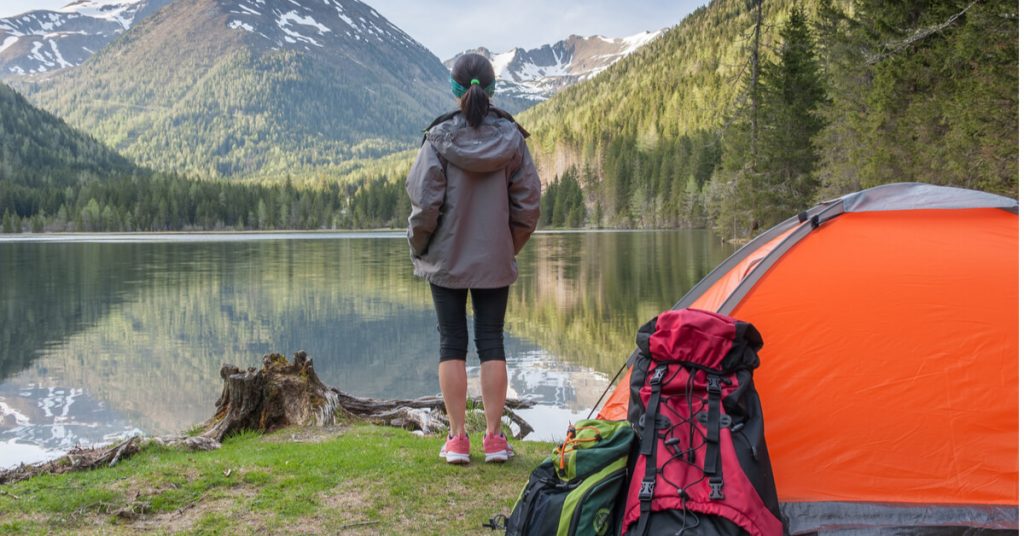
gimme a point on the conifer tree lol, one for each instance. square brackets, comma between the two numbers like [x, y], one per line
[794, 92]
[764, 181]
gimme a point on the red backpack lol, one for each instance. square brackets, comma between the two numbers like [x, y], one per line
[703, 465]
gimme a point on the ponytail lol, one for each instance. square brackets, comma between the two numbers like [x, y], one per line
[473, 81]
[474, 105]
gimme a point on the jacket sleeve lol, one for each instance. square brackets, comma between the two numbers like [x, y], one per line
[426, 186]
[523, 200]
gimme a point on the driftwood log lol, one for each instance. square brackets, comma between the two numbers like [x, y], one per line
[277, 395]
[80, 459]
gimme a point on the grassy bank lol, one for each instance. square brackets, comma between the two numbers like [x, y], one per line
[357, 480]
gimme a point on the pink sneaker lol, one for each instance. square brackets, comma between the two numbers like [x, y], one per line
[456, 449]
[496, 448]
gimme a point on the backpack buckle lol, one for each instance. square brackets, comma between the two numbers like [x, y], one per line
[646, 490]
[716, 488]
[659, 374]
[714, 384]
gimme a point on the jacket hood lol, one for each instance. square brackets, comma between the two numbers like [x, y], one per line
[487, 148]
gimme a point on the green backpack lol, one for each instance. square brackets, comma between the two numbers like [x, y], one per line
[576, 489]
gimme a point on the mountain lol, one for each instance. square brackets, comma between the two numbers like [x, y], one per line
[55, 178]
[532, 76]
[914, 91]
[44, 40]
[37, 148]
[221, 88]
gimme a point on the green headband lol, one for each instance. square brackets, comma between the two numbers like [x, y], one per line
[459, 90]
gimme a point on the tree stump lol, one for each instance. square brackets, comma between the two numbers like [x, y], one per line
[277, 395]
[290, 394]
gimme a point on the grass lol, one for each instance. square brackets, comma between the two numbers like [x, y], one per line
[358, 480]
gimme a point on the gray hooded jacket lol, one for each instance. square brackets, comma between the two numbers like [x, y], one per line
[475, 202]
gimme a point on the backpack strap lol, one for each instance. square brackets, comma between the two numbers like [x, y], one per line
[505, 115]
[647, 448]
[712, 467]
[494, 110]
[437, 121]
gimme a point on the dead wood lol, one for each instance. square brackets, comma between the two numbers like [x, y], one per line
[284, 394]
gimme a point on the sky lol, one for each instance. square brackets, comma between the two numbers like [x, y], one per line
[451, 26]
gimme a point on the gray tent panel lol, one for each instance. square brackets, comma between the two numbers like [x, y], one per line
[915, 195]
[846, 518]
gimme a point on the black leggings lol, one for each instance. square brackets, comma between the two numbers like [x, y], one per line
[488, 321]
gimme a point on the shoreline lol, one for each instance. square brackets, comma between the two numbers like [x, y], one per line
[233, 235]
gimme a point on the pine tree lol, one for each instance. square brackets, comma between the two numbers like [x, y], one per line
[768, 160]
[794, 92]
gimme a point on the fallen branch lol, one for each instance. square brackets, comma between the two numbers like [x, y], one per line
[426, 414]
[921, 33]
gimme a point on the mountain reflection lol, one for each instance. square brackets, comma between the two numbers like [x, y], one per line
[130, 337]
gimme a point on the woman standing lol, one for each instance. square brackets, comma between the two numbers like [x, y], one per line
[475, 202]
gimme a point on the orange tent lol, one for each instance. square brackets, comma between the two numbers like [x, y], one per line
[889, 371]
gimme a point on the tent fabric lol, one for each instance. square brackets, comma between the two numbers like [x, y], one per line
[913, 195]
[845, 518]
[889, 373]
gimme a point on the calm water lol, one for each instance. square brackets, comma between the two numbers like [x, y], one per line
[103, 336]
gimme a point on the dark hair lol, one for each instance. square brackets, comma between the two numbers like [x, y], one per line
[475, 103]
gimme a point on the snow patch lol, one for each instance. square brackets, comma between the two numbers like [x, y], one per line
[57, 55]
[501, 61]
[236, 24]
[7, 43]
[248, 9]
[634, 42]
[119, 11]
[39, 56]
[292, 16]
[286, 21]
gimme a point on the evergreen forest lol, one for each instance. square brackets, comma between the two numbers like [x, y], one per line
[745, 113]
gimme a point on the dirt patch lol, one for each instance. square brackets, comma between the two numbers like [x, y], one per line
[139, 486]
[343, 511]
[184, 518]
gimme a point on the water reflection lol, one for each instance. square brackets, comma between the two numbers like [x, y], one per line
[102, 339]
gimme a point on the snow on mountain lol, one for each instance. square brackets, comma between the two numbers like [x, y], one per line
[302, 24]
[535, 75]
[43, 40]
[120, 11]
[253, 87]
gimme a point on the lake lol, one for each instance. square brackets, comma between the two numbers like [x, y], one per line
[103, 336]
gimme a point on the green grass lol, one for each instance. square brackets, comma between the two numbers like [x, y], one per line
[362, 480]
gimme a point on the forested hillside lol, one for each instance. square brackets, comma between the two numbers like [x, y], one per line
[261, 88]
[742, 114]
[55, 178]
[846, 95]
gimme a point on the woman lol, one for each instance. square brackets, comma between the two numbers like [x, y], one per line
[475, 202]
